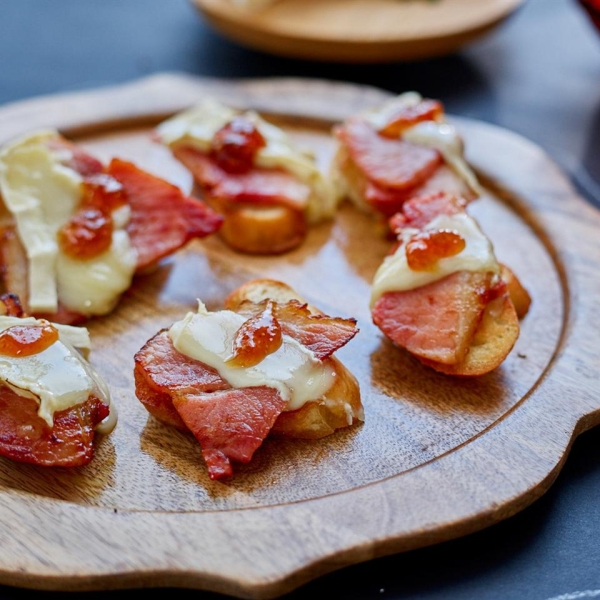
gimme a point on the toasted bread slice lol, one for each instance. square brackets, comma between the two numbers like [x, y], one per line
[260, 229]
[339, 407]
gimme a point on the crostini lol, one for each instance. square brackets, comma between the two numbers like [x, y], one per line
[262, 365]
[74, 232]
[442, 295]
[52, 402]
[250, 171]
[401, 149]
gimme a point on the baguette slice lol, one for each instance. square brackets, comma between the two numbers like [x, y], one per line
[339, 407]
[259, 229]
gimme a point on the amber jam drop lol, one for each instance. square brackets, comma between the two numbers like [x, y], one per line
[89, 231]
[258, 337]
[103, 192]
[235, 145]
[87, 234]
[424, 249]
[26, 340]
[407, 116]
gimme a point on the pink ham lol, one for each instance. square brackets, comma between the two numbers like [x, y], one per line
[256, 186]
[321, 334]
[436, 321]
[230, 424]
[26, 437]
[389, 163]
[163, 219]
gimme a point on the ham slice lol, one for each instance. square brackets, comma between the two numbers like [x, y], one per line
[437, 321]
[76, 158]
[256, 186]
[26, 437]
[391, 164]
[163, 219]
[321, 334]
[160, 370]
[230, 424]
[421, 210]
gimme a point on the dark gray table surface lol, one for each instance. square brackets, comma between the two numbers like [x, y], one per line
[539, 75]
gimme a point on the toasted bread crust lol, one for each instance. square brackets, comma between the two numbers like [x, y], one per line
[258, 290]
[518, 294]
[260, 229]
[339, 407]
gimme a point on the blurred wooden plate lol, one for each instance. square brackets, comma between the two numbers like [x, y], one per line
[437, 457]
[358, 30]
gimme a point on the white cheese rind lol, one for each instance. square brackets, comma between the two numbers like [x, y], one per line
[41, 193]
[59, 377]
[293, 370]
[94, 286]
[380, 117]
[444, 138]
[196, 128]
[394, 274]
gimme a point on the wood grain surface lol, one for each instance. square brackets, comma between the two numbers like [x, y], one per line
[358, 30]
[436, 458]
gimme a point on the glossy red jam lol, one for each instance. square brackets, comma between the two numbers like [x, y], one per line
[424, 249]
[235, 145]
[26, 340]
[258, 337]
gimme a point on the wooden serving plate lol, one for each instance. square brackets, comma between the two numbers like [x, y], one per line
[437, 457]
[358, 30]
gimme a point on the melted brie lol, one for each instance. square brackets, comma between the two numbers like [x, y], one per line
[57, 378]
[293, 370]
[42, 194]
[435, 134]
[394, 274]
[196, 127]
[94, 286]
[444, 138]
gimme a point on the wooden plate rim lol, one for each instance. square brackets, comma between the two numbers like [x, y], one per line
[256, 31]
[341, 537]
